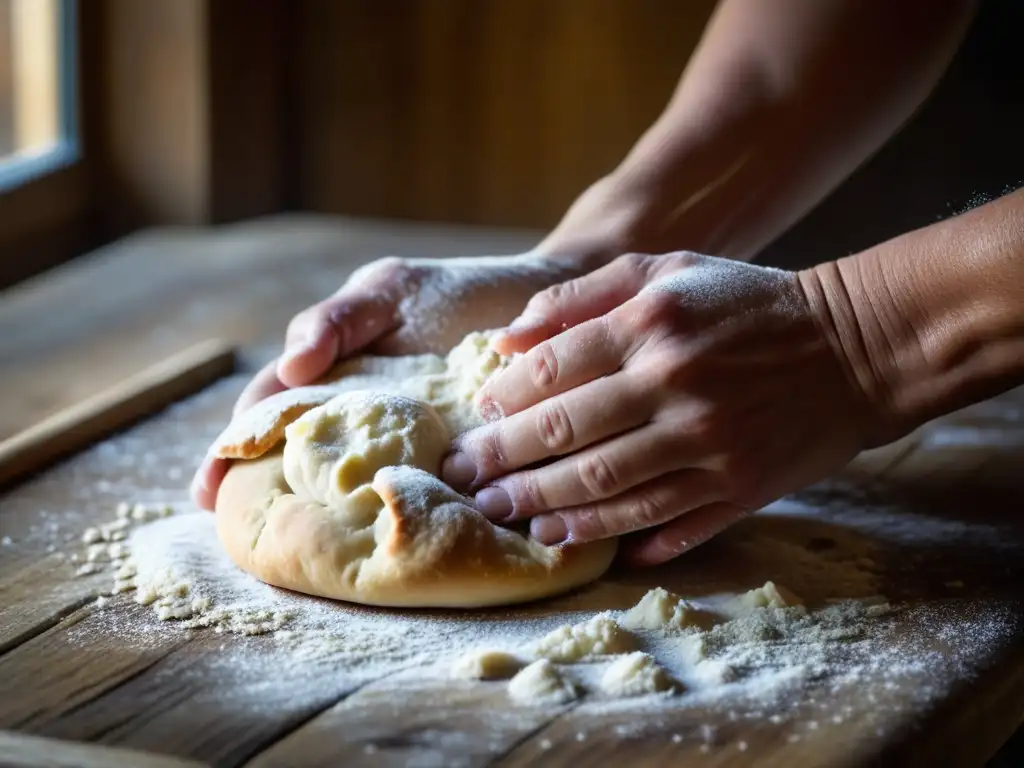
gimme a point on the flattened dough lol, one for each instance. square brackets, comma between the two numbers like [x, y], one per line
[349, 507]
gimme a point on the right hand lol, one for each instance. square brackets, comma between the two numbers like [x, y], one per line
[394, 306]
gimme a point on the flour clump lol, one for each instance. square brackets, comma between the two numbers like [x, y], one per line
[486, 664]
[541, 683]
[635, 674]
[660, 609]
[600, 636]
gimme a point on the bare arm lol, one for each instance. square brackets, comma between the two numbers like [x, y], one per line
[933, 320]
[782, 100]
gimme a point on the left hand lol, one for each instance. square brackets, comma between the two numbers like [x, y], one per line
[686, 392]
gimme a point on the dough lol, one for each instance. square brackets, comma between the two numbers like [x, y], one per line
[600, 636]
[635, 674]
[486, 665]
[660, 609]
[541, 683]
[350, 506]
[770, 595]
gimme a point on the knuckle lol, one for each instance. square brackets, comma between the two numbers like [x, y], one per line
[387, 268]
[543, 365]
[638, 262]
[597, 476]
[645, 511]
[527, 494]
[657, 310]
[555, 428]
[590, 523]
[489, 450]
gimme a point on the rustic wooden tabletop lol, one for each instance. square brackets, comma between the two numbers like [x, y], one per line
[84, 682]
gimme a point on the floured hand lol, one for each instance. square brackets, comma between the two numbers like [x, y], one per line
[394, 306]
[686, 392]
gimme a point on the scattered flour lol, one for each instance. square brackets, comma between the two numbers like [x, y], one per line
[787, 665]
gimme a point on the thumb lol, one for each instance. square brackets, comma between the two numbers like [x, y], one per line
[576, 301]
[333, 329]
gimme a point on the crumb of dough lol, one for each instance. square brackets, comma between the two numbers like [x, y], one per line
[635, 674]
[91, 536]
[486, 664]
[660, 609]
[715, 672]
[541, 683]
[600, 636]
[771, 595]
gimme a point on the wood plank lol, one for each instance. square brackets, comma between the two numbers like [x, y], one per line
[495, 113]
[176, 287]
[142, 394]
[119, 677]
[59, 671]
[409, 719]
[122, 677]
[22, 751]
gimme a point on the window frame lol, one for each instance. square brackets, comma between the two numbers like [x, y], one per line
[48, 203]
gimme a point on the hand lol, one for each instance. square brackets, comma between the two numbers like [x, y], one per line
[394, 306]
[688, 391]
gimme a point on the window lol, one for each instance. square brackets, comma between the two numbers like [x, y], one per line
[37, 89]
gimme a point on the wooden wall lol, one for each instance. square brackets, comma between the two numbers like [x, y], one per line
[496, 112]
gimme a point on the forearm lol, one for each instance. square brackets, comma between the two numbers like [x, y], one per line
[933, 320]
[781, 101]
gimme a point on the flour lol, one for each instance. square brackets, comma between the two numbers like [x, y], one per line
[794, 669]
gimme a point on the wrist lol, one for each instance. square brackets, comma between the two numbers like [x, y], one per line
[609, 219]
[929, 322]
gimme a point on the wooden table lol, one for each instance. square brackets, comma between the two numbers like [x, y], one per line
[175, 699]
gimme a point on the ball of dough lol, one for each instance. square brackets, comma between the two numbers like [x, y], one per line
[333, 450]
[351, 507]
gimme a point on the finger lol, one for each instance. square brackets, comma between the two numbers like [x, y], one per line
[582, 354]
[682, 534]
[648, 505]
[568, 304]
[207, 482]
[264, 384]
[602, 471]
[562, 425]
[335, 328]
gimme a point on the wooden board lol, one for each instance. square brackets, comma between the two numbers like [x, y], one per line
[121, 680]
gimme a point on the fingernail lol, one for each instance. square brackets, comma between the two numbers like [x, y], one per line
[295, 352]
[549, 529]
[458, 471]
[524, 323]
[490, 409]
[494, 502]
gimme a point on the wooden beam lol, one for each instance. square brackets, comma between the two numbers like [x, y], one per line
[192, 110]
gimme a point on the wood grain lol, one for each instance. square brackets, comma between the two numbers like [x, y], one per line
[118, 677]
[494, 113]
[177, 287]
[142, 394]
[22, 751]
